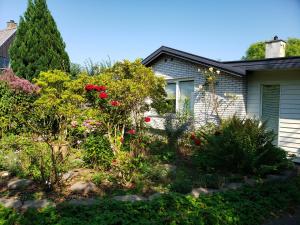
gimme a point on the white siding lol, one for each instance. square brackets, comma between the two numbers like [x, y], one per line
[289, 114]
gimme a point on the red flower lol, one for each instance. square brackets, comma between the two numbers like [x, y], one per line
[103, 95]
[132, 131]
[89, 87]
[197, 141]
[192, 136]
[99, 88]
[114, 103]
[147, 119]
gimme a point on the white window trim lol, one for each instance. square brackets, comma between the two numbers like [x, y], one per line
[177, 94]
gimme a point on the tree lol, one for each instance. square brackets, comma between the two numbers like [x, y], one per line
[38, 45]
[257, 50]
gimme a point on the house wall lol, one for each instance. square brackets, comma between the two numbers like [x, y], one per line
[289, 112]
[172, 68]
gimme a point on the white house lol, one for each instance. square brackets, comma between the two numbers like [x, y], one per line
[268, 89]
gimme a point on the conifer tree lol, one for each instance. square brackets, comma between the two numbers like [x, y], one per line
[38, 45]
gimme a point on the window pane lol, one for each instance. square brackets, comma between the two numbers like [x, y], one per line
[186, 89]
[171, 97]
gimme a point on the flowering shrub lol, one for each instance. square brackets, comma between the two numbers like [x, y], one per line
[18, 84]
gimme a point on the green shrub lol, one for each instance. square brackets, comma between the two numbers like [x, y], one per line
[26, 158]
[97, 152]
[242, 146]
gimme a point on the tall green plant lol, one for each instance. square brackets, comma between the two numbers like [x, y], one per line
[38, 45]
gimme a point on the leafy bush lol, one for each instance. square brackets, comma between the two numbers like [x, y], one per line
[175, 125]
[242, 146]
[97, 152]
[25, 157]
[248, 206]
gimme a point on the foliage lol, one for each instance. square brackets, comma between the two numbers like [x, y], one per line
[242, 146]
[248, 206]
[121, 93]
[257, 50]
[97, 152]
[75, 69]
[59, 102]
[175, 125]
[16, 98]
[96, 68]
[26, 158]
[38, 45]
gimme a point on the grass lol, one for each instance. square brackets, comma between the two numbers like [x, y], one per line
[247, 206]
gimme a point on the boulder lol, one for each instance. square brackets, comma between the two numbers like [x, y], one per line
[153, 196]
[197, 191]
[18, 183]
[129, 198]
[37, 204]
[234, 185]
[87, 201]
[11, 202]
[83, 187]
[4, 174]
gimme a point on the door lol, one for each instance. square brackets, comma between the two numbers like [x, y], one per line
[270, 107]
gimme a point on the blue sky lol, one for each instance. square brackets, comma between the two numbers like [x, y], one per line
[217, 29]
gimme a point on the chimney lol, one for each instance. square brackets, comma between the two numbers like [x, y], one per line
[275, 48]
[11, 24]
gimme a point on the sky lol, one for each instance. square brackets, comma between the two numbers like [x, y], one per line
[130, 29]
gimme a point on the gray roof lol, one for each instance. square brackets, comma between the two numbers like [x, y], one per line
[267, 64]
[238, 68]
[192, 58]
[6, 34]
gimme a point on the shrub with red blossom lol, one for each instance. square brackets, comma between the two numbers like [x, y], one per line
[114, 103]
[103, 95]
[131, 131]
[16, 83]
[147, 119]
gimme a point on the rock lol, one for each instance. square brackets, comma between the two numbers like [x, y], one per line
[153, 196]
[289, 173]
[129, 198]
[251, 182]
[68, 175]
[4, 174]
[197, 191]
[88, 201]
[170, 167]
[271, 178]
[37, 204]
[83, 187]
[18, 183]
[11, 202]
[234, 186]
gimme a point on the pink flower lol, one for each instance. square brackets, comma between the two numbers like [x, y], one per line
[103, 95]
[131, 131]
[114, 103]
[147, 119]
[74, 124]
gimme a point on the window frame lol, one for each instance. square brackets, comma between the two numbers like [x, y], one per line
[177, 93]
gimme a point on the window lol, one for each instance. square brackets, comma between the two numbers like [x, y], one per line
[171, 96]
[180, 95]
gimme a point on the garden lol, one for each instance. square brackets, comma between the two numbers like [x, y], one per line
[83, 144]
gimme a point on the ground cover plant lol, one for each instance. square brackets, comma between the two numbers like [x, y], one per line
[248, 206]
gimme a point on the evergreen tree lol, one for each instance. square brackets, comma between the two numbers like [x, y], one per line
[38, 45]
